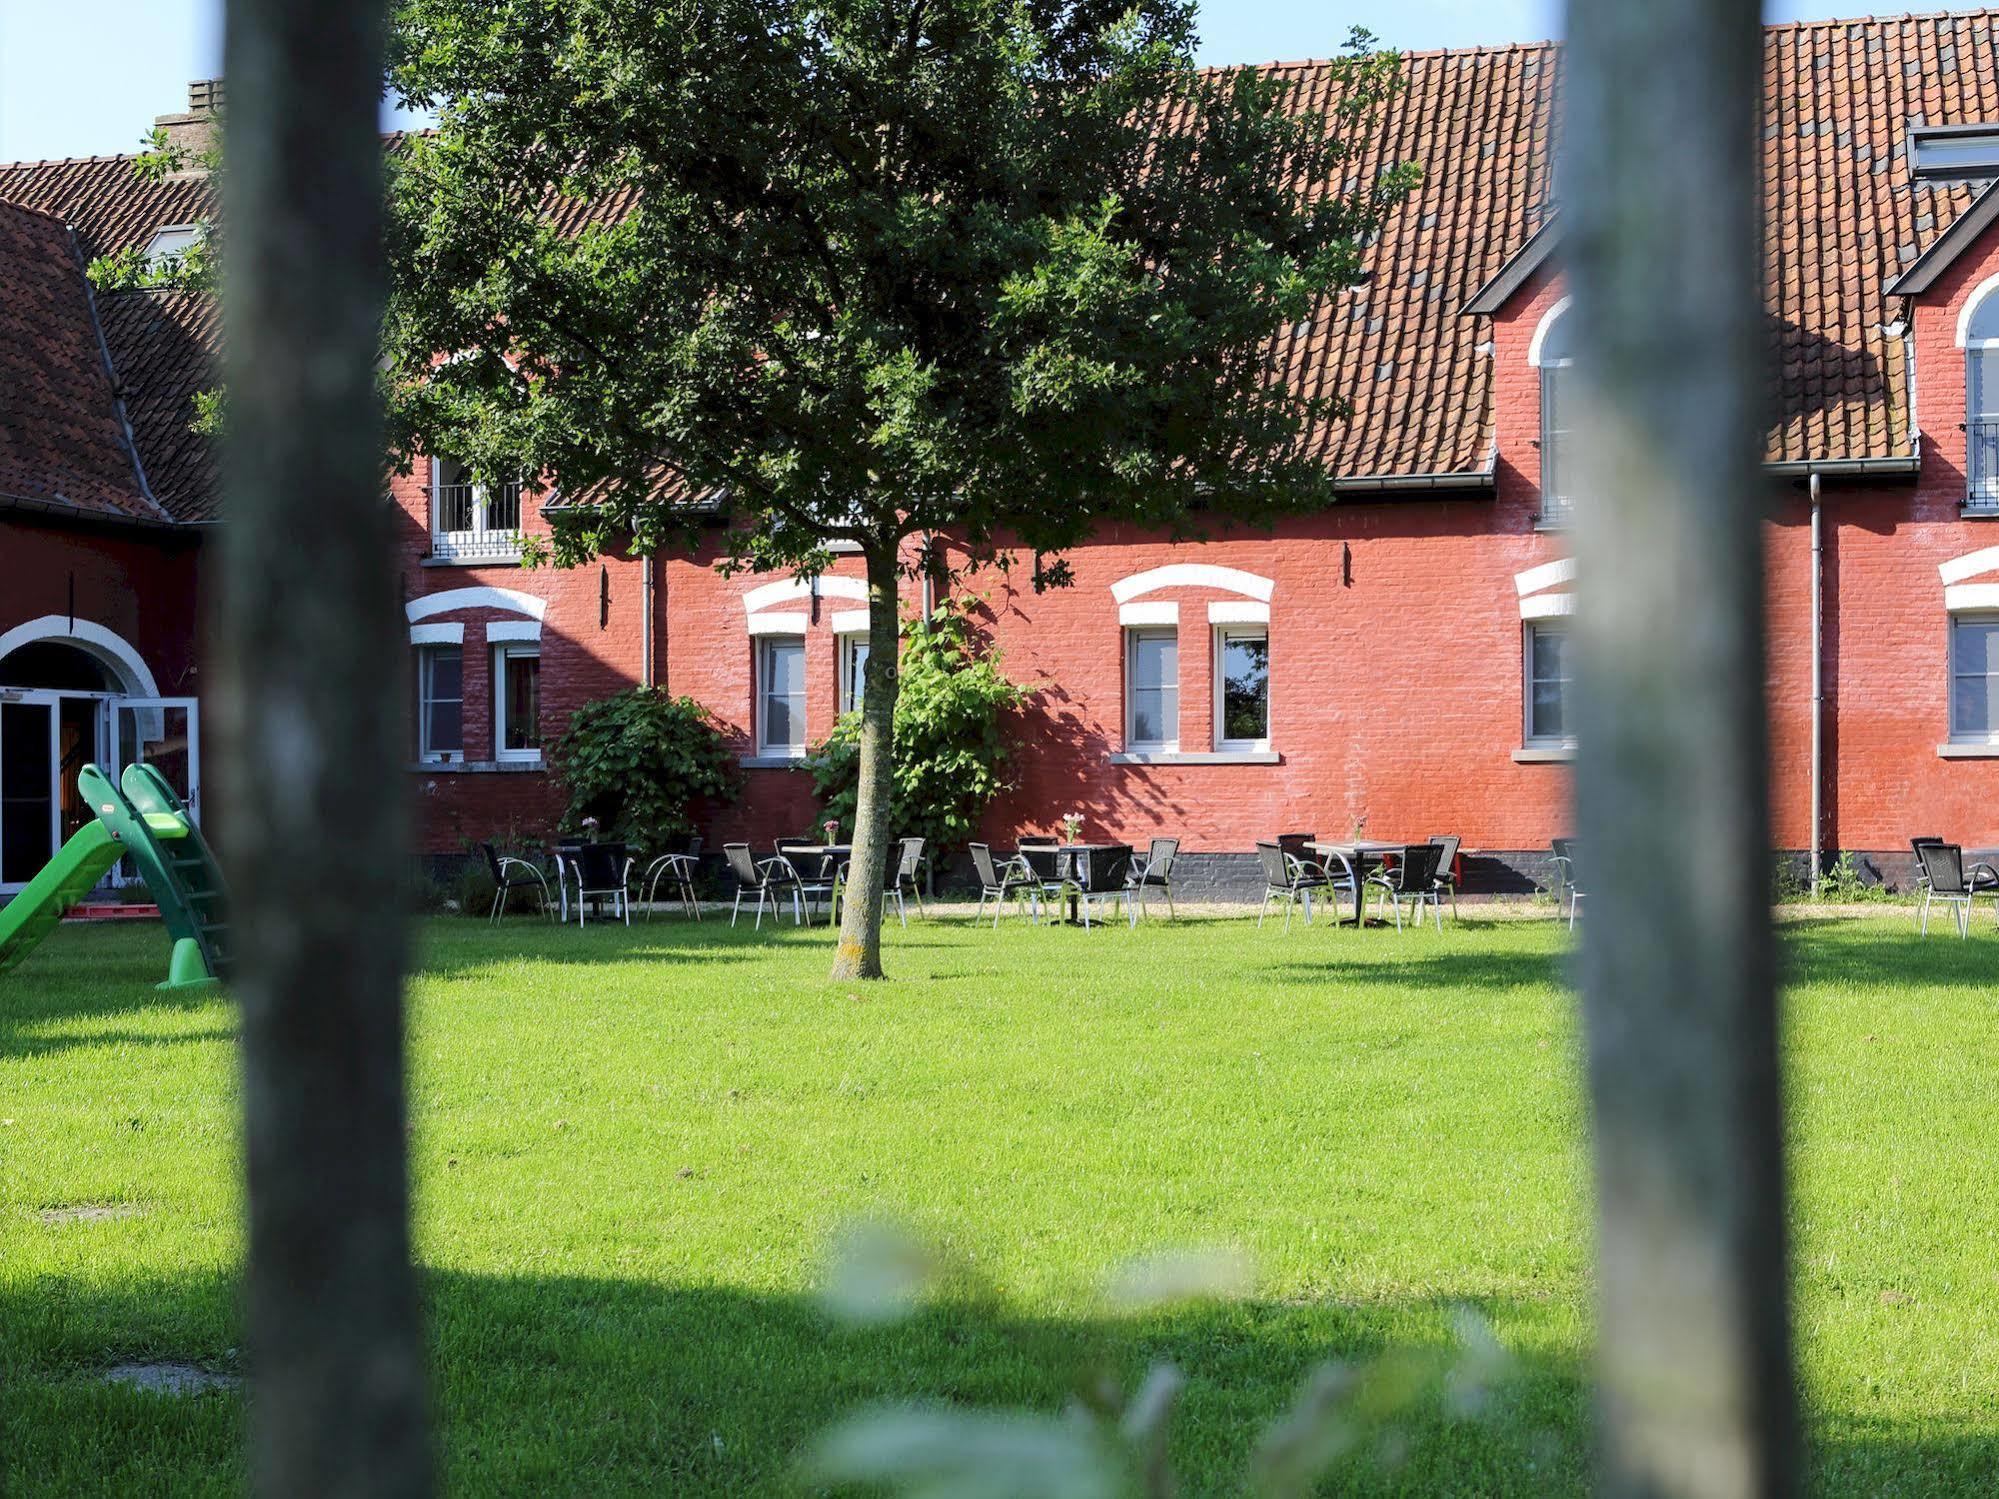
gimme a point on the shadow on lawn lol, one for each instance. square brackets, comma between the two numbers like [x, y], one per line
[577, 1385]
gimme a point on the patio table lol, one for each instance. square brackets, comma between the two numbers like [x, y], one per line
[1065, 867]
[567, 853]
[831, 856]
[1355, 853]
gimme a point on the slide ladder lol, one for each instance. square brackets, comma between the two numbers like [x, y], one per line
[145, 821]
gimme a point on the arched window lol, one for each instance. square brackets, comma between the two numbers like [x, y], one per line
[1980, 337]
[1552, 353]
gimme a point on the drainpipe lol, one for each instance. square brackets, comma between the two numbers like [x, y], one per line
[645, 624]
[1818, 674]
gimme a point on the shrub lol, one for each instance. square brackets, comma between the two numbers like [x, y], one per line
[641, 763]
[951, 746]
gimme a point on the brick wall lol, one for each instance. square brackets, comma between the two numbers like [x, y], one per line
[1396, 671]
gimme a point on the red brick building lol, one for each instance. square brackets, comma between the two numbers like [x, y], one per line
[1397, 660]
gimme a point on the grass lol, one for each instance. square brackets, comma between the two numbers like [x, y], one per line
[630, 1149]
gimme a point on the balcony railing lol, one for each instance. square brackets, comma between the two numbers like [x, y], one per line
[1981, 466]
[477, 522]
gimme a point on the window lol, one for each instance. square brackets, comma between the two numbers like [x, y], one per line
[170, 242]
[1242, 688]
[1556, 359]
[781, 695]
[1954, 152]
[470, 520]
[440, 685]
[1974, 678]
[853, 665]
[1548, 686]
[1981, 404]
[1152, 689]
[517, 702]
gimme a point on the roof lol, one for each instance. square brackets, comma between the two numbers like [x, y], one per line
[63, 439]
[1844, 220]
[1963, 233]
[161, 345]
[1847, 229]
[165, 347]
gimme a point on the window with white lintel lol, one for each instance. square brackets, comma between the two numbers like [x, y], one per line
[471, 520]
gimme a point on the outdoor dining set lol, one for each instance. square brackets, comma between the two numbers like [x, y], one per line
[1073, 881]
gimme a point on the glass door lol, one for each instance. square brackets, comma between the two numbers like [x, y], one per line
[30, 809]
[164, 732]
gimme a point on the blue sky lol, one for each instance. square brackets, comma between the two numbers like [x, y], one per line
[140, 54]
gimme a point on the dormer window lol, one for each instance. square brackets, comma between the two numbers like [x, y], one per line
[171, 242]
[470, 520]
[1954, 153]
[1553, 355]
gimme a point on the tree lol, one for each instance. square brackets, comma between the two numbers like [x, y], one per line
[867, 272]
[952, 711]
[308, 698]
[1659, 184]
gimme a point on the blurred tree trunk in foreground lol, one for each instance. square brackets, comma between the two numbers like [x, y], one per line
[312, 722]
[1663, 244]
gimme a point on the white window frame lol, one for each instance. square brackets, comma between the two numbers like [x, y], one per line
[180, 239]
[1132, 636]
[1958, 735]
[765, 645]
[1222, 635]
[1530, 630]
[504, 654]
[854, 647]
[426, 653]
[484, 542]
[1555, 512]
[1981, 427]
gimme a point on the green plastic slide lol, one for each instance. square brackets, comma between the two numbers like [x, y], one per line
[144, 820]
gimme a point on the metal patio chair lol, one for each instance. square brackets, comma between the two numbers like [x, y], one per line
[1098, 875]
[770, 880]
[679, 867]
[1155, 872]
[1290, 880]
[817, 875]
[1951, 884]
[901, 876]
[603, 871]
[1565, 871]
[1413, 879]
[511, 873]
[1447, 868]
[1000, 879]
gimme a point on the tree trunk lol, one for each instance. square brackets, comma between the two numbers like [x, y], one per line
[1665, 256]
[859, 954]
[312, 723]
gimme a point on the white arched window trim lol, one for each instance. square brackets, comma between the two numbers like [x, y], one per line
[1969, 311]
[108, 646]
[794, 590]
[1194, 575]
[507, 600]
[1541, 330]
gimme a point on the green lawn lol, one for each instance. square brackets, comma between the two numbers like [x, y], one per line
[631, 1148]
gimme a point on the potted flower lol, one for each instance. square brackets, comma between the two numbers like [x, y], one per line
[1072, 827]
[589, 826]
[831, 828]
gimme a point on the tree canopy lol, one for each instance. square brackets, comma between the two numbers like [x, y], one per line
[857, 271]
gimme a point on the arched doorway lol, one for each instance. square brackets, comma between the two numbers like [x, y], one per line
[72, 692]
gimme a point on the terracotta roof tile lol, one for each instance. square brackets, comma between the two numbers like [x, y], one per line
[1843, 218]
[62, 440]
[164, 346]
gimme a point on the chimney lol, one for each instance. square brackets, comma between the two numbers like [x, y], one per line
[194, 132]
